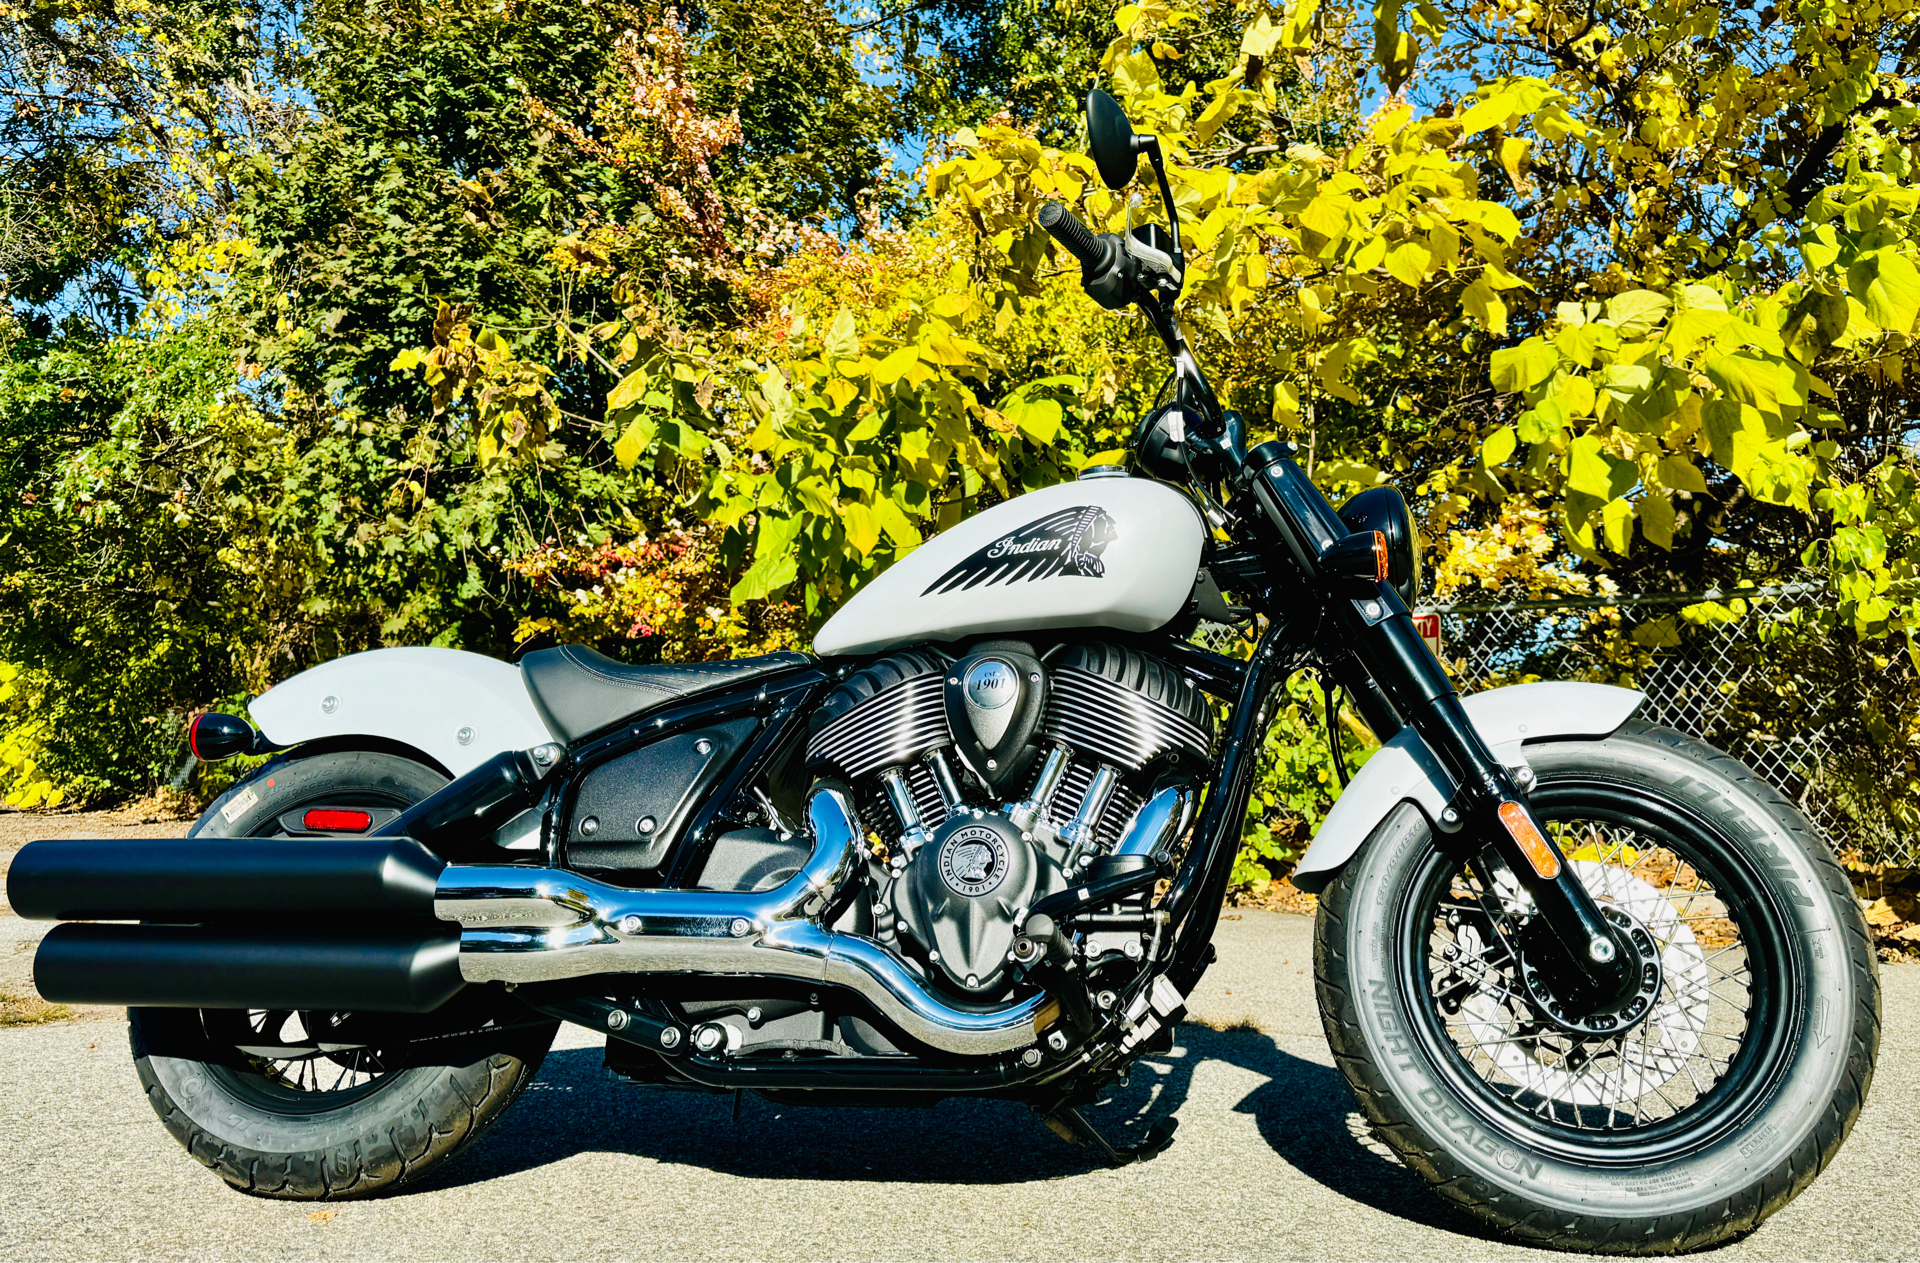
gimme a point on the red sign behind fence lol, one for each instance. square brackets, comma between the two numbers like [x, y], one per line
[1428, 625]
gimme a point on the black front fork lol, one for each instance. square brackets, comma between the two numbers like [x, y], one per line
[1487, 807]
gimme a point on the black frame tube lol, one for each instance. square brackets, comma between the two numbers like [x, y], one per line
[463, 814]
[1193, 904]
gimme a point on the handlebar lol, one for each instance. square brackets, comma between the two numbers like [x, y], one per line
[1077, 239]
[1115, 276]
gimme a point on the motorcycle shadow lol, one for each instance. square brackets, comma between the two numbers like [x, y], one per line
[1302, 1110]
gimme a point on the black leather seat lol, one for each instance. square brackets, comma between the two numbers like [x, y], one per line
[579, 692]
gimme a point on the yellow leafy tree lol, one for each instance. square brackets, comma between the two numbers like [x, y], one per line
[1622, 288]
[26, 785]
[1573, 259]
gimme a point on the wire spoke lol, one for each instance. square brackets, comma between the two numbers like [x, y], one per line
[302, 1065]
[1655, 1069]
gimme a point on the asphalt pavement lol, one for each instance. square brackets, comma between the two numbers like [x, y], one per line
[1271, 1161]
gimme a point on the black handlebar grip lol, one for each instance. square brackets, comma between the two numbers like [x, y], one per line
[1065, 227]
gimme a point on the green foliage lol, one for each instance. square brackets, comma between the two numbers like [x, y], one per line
[122, 125]
[236, 469]
[23, 734]
[1872, 553]
[1296, 782]
[425, 178]
[166, 545]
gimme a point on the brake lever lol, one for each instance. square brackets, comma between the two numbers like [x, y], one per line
[1153, 260]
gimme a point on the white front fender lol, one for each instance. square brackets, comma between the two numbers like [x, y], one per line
[1404, 770]
[459, 708]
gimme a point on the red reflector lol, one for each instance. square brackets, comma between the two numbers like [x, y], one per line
[336, 820]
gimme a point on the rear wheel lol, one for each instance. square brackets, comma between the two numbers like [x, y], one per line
[1703, 1111]
[320, 1105]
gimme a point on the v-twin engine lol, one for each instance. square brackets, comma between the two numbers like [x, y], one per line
[998, 779]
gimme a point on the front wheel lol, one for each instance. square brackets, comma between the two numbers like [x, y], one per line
[1691, 1125]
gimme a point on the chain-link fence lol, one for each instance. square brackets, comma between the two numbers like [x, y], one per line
[1736, 669]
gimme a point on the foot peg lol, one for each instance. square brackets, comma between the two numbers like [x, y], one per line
[1071, 1126]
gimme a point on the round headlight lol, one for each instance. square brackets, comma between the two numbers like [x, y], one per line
[1385, 510]
[1161, 445]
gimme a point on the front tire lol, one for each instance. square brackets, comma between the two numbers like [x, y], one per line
[1716, 1111]
[322, 1106]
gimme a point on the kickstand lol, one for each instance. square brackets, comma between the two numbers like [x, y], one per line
[1071, 1126]
[737, 1094]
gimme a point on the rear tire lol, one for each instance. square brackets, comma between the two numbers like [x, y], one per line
[1532, 1139]
[275, 1126]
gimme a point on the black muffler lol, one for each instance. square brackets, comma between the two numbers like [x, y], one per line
[243, 923]
[197, 880]
[406, 970]
[267, 923]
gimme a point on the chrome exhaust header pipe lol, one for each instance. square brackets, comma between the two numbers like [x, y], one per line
[1157, 824]
[524, 925]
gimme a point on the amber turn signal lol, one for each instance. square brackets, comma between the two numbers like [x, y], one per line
[1361, 555]
[1532, 844]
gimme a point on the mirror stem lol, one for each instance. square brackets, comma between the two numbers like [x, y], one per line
[1150, 145]
[1185, 367]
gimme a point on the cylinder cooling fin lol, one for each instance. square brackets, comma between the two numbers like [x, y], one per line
[1119, 706]
[882, 715]
[1124, 801]
[926, 795]
[1109, 705]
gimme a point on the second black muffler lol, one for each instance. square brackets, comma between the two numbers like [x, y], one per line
[242, 923]
[386, 970]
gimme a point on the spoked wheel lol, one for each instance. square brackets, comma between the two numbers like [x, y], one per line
[316, 1105]
[1679, 1117]
[1661, 1079]
[298, 1059]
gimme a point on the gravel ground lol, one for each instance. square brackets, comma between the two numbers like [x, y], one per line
[1271, 1161]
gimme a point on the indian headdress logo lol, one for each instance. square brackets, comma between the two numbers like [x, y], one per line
[1063, 543]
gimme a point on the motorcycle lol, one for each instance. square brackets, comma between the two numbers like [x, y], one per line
[1595, 980]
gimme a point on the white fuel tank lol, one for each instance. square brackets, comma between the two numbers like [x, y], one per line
[1100, 552]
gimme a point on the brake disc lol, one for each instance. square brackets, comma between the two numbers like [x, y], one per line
[1606, 1069]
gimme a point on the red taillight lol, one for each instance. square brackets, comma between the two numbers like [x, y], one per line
[336, 820]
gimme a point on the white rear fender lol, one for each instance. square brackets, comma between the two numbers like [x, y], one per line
[1404, 770]
[458, 708]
